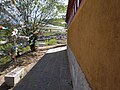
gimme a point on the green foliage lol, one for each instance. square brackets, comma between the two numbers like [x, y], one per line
[6, 48]
[57, 22]
[4, 34]
[52, 33]
[25, 49]
[33, 13]
[62, 8]
[51, 42]
[49, 33]
[4, 60]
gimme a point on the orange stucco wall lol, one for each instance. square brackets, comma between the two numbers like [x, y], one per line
[94, 37]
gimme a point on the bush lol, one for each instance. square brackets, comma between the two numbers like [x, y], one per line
[24, 49]
[4, 60]
[51, 42]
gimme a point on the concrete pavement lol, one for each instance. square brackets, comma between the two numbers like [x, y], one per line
[50, 73]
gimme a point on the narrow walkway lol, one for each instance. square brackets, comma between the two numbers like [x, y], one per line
[50, 73]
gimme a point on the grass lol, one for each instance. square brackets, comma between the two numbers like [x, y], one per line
[7, 58]
[62, 41]
[57, 22]
[49, 33]
[25, 49]
[52, 33]
[51, 42]
[4, 60]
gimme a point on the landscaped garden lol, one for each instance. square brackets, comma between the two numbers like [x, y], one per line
[23, 27]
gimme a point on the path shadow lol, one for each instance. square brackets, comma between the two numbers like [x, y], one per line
[4, 87]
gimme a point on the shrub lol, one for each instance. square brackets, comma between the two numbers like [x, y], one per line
[51, 42]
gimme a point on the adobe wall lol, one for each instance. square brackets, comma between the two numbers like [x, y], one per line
[94, 38]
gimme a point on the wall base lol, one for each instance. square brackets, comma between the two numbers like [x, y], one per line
[78, 77]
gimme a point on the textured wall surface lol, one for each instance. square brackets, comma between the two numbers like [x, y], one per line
[78, 78]
[94, 38]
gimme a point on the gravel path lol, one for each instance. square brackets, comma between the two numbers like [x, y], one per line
[50, 73]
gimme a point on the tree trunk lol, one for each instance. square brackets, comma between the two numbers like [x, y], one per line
[32, 47]
[32, 41]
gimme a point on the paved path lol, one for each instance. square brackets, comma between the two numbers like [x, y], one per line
[50, 73]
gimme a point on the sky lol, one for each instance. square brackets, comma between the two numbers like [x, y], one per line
[66, 2]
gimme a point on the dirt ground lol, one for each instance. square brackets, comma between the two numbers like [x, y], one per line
[27, 60]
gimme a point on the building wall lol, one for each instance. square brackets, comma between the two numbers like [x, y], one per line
[94, 38]
[78, 78]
